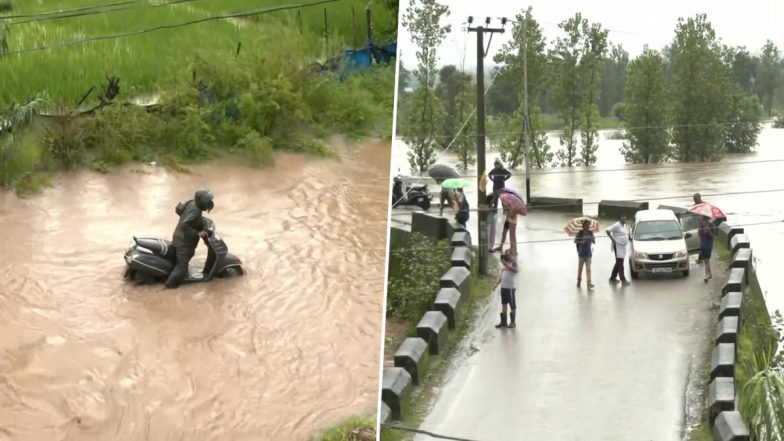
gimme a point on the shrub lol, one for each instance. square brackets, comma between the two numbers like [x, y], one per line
[16, 161]
[414, 286]
[65, 141]
[257, 148]
[778, 121]
[6, 6]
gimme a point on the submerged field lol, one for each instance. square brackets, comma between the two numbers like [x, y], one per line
[150, 62]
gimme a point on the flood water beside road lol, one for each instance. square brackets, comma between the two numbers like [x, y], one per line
[734, 173]
[280, 353]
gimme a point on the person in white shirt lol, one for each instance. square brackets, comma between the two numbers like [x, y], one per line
[508, 282]
[620, 240]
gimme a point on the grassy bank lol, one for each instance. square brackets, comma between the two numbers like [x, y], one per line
[212, 100]
[354, 429]
[758, 338]
[154, 62]
[400, 326]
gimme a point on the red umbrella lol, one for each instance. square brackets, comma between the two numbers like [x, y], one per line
[576, 225]
[706, 209]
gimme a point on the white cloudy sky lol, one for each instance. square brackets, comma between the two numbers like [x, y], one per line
[631, 23]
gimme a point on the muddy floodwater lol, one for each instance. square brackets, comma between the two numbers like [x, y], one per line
[281, 353]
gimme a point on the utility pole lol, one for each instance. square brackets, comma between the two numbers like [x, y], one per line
[525, 110]
[481, 202]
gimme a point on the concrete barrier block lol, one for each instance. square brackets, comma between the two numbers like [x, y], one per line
[461, 256]
[726, 232]
[386, 414]
[459, 278]
[431, 226]
[395, 391]
[614, 209]
[739, 241]
[413, 356]
[729, 426]
[723, 361]
[434, 330]
[727, 330]
[721, 396]
[734, 281]
[448, 302]
[743, 259]
[453, 227]
[730, 305]
[567, 205]
[461, 239]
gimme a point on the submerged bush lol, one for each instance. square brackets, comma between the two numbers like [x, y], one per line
[257, 149]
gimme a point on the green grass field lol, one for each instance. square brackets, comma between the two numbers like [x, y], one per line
[154, 61]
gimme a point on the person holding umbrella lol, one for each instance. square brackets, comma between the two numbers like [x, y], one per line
[706, 244]
[514, 205]
[441, 173]
[584, 240]
[706, 232]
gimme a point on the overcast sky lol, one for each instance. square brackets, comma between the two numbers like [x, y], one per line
[632, 24]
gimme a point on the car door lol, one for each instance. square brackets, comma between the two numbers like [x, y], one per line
[690, 224]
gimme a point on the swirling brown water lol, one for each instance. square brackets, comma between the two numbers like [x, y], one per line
[281, 353]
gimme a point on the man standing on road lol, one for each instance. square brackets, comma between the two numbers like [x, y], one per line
[620, 240]
[508, 282]
[499, 175]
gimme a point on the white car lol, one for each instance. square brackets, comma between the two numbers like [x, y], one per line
[658, 244]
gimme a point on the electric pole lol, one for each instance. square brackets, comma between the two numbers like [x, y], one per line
[525, 110]
[481, 202]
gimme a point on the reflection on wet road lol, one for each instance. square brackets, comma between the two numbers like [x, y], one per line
[280, 353]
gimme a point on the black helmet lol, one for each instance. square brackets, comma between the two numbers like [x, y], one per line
[203, 199]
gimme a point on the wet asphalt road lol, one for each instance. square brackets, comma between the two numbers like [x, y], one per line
[615, 363]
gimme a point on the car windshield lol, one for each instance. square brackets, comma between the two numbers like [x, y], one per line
[658, 230]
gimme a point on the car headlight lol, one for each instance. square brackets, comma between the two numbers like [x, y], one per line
[640, 255]
[681, 253]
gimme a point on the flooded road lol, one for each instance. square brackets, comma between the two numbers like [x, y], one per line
[615, 363]
[280, 353]
[612, 179]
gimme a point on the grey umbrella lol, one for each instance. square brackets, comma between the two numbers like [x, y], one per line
[442, 172]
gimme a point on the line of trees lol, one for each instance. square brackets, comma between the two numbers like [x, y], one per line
[694, 100]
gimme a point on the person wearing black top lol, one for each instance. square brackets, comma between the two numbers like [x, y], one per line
[499, 175]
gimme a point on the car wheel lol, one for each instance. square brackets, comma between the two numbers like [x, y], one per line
[634, 273]
[686, 273]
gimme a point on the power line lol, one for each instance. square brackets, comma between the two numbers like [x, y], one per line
[62, 11]
[423, 432]
[49, 16]
[657, 198]
[172, 26]
[672, 165]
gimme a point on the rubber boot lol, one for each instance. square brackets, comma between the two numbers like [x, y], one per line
[503, 321]
[512, 323]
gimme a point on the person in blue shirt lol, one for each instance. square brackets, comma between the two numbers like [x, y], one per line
[584, 239]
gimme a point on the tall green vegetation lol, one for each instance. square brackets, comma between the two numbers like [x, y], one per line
[425, 112]
[218, 101]
[17, 163]
[153, 62]
[712, 115]
[613, 80]
[510, 57]
[647, 110]
[700, 91]
[577, 59]
[770, 77]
